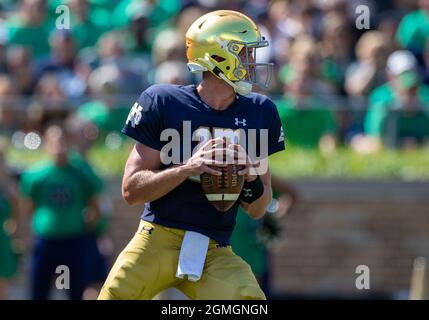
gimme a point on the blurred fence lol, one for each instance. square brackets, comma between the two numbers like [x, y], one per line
[33, 112]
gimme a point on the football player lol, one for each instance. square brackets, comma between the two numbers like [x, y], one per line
[182, 240]
[254, 240]
[62, 197]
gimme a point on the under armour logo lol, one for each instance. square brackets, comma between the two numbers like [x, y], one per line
[247, 192]
[146, 228]
[242, 122]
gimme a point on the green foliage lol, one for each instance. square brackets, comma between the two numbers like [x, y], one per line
[110, 163]
[294, 162]
[346, 164]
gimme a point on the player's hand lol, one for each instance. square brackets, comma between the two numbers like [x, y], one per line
[208, 156]
[243, 159]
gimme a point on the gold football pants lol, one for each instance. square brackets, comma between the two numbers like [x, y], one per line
[148, 265]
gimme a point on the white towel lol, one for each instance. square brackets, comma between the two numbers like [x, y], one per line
[192, 256]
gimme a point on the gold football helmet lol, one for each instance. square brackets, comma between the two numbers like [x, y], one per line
[224, 42]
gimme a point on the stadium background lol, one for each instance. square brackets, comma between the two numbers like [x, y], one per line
[362, 194]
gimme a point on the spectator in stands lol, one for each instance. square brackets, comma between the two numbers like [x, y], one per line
[187, 16]
[82, 134]
[62, 62]
[362, 76]
[129, 46]
[174, 72]
[168, 45]
[369, 71]
[133, 18]
[253, 240]
[3, 47]
[309, 122]
[336, 50]
[49, 104]
[303, 109]
[98, 243]
[160, 13]
[9, 112]
[293, 18]
[413, 31]
[20, 69]
[304, 60]
[425, 72]
[8, 224]
[110, 47]
[398, 112]
[388, 23]
[30, 27]
[277, 12]
[64, 200]
[112, 52]
[87, 26]
[108, 109]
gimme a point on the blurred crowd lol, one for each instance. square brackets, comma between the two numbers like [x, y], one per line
[334, 84]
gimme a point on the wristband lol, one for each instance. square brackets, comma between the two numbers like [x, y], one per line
[252, 190]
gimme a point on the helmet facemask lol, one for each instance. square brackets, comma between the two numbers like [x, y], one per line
[248, 70]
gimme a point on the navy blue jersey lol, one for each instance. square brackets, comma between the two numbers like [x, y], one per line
[167, 112]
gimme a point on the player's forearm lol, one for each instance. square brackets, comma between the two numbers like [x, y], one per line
[148, 185]
[258, 207]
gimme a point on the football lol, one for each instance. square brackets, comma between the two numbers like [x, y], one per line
[223, 191]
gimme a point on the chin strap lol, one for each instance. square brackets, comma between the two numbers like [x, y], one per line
[241, 87]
